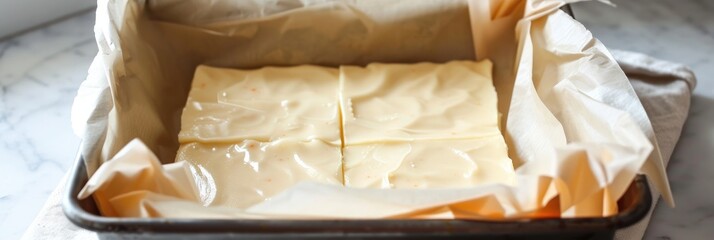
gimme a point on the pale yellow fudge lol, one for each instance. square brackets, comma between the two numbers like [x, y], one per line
[422, 125]
[271, 103]
[424, 101]
[248, 172]
[428, 164]
[251, 134]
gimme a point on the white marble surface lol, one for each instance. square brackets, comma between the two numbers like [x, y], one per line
[40, 71]
[39, 76]
[680, 31]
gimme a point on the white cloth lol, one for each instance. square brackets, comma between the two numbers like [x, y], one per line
[664, 88]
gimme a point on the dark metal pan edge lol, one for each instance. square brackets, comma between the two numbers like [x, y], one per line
[82, 218]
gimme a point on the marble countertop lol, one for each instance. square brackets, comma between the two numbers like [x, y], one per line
[41, 70]
[679, 31]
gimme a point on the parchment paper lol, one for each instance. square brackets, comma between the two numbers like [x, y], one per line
[573, 123]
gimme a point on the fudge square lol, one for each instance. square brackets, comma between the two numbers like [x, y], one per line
[423, 101]
[428, 164]
[246, 173]
[266, 104]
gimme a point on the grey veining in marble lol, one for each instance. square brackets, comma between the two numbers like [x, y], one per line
[680, 31]
[41, 70]
[39, 75]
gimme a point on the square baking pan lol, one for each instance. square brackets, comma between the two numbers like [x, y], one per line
[633, 206]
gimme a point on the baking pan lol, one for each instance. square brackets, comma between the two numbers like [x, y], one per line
[634, 205]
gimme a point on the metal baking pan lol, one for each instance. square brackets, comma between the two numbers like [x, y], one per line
[634, 205]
